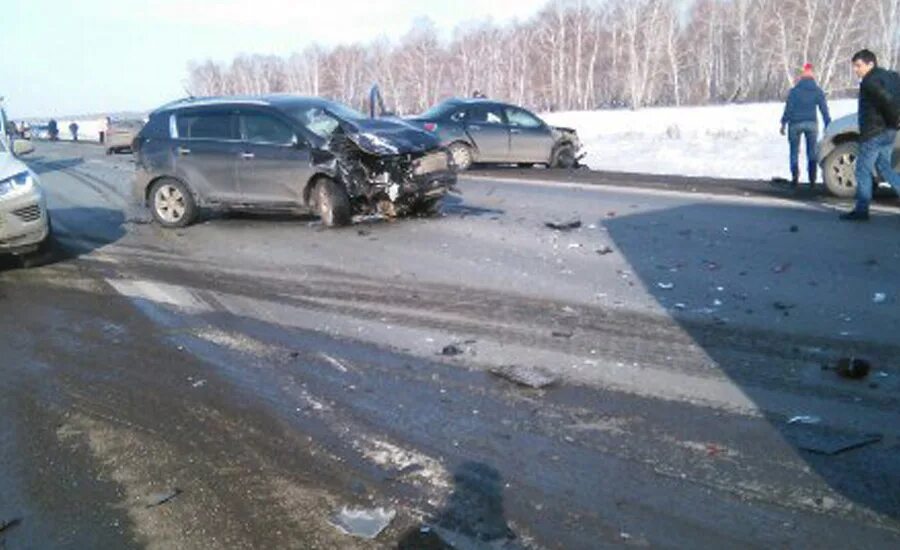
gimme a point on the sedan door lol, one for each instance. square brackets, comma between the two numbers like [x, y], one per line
[273, 164]
[205, 151]
[530, 139]
[486, 126]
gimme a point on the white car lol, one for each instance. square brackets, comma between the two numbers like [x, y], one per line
[24, 221]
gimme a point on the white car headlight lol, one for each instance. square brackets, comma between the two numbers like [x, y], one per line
[20, 183]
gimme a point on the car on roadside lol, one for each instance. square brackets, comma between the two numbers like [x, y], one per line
[120, 135]
[24, 220]
[837, 151]
[489, 132]
[287, 154]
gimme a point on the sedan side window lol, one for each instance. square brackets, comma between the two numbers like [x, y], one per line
[209, 125]
[485, 114]
[522, 119]
[265, 129]
[458, 116]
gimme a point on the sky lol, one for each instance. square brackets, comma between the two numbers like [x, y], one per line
[69, 57]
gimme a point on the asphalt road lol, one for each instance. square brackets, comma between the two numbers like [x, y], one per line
[238, 383]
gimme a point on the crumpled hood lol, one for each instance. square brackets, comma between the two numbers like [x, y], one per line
[390, 136]
[10, 166]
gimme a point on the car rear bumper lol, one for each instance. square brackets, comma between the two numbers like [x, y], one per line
[24, 223]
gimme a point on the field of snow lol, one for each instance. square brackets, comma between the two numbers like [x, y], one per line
[730, 141]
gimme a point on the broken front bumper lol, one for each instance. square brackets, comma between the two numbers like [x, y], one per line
[24, 223]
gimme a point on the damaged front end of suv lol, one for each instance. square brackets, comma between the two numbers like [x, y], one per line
[390, 168]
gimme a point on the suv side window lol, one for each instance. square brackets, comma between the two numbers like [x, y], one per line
[485, 114]
[265, 129]
[212, 125]
[522, 119]
[157, 127]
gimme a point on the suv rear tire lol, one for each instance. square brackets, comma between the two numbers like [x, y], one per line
[840, 170]
[332, 203]
[172, 203]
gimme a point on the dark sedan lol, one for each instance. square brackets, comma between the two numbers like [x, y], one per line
[484, 131]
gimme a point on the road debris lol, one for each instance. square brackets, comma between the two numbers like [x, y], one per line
[830, 443]
[805, 419]
[666, 286]
[795, 229]
[158, 499]
[573, 246]
[199, 383]
[711, 266]
[451, 350]
[563, 334]
[564, 226]
[781, 268]
[879, 298]
[853, 368]
[604, 250]
[528, 377]
[6, 525]
[333, 362]
[363, 523]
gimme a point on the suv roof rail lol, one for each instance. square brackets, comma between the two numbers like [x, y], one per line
[211, 100]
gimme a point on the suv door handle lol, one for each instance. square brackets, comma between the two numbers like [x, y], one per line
[248, 156]
[183, 151]
[515, 131]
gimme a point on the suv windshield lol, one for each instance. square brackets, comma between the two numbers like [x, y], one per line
[323, 120]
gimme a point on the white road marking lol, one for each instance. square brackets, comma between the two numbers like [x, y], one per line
[160, 293]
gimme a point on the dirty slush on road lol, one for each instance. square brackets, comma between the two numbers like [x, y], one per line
[440, 383]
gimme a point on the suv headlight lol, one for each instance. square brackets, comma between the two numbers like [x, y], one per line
[16, 185]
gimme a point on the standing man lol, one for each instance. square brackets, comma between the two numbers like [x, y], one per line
[73, 129]
[879, 116]
[802, 121]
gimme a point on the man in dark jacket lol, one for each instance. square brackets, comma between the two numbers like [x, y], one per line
[879, 116]
[801, 117]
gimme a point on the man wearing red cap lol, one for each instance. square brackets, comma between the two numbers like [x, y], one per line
[800, 121]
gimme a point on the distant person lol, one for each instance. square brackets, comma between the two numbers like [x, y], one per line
[879, 116]
[73, 129]
[53, 130]
[800, 120]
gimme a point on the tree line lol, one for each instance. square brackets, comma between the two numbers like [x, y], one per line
[587, 54]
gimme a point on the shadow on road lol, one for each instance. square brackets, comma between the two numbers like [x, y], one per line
[473, 510]
[41, 166]
[76, 232]
[766, 297]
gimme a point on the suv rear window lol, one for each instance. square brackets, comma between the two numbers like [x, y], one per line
[207, 125]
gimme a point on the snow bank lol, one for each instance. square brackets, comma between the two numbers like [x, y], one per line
[730, 141]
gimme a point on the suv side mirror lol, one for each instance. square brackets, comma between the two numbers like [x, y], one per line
[22, 147]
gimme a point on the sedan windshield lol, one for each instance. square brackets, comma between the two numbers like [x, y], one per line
[323, 120]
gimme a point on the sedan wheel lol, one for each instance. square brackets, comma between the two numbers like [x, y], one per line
[462, 156]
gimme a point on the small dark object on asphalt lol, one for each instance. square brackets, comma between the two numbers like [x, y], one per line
[524, 376]
[363, 233]
[564, 226]
[423, 538]
[872, 262]
[604, 250]
[853, 368]
[563, 334]
[294, 354]
[781, 306]
[829, 443]
[780, 181]
[9, 524]
[451, 350]
[795, 229]
[162, 498]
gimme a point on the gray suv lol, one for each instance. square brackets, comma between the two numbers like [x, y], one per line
[285, 154]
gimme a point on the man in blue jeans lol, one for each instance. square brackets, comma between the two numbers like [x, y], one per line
[800, 115]
[879, 116]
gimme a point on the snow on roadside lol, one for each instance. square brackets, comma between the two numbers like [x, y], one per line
[729, 141]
